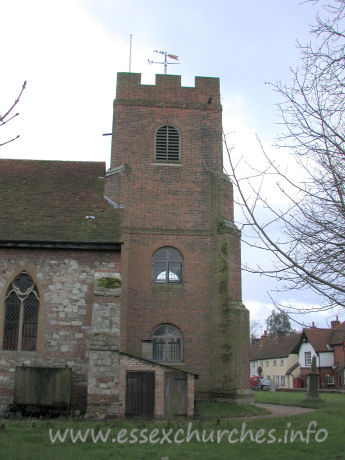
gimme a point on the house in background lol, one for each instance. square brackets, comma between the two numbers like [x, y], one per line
[327, 345]
[337, 342]
[119, 275]
[277, 357]
[286, 360]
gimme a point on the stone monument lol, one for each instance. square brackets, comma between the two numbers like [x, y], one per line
[312, 390]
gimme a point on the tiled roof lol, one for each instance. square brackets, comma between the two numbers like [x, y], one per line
[338, 334]
[49, 201]
[176, 366]
[278, 347]
[292, 368]
[319, 338]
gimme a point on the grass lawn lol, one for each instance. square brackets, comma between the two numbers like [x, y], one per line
[296, 399]
[29, 440]
[209, 410]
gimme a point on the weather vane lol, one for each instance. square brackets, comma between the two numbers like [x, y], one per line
[165, 62]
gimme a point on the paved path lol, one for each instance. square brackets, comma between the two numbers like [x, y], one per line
[279, 411]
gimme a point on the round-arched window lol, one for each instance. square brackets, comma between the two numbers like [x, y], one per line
[167, 144]
[167, 343]
[167, 265]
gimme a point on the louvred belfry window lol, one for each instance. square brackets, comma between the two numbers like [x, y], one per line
[21, 314]
[167, 145]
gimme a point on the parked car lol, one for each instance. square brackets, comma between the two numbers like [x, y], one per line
[258, 383]
[265, 384]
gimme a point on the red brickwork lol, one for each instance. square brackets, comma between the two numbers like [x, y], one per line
[130, 363]
[339, 361]
[187, 205]
[323, 372]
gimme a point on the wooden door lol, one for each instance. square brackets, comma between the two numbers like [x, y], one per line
[140, 394]
[175, 394]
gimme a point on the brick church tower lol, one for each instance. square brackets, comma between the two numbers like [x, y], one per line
[181, 276]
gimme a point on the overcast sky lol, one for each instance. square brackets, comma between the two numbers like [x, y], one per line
[69, 51]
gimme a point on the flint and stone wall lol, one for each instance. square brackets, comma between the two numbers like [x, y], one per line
[104, 347]
[72, 312]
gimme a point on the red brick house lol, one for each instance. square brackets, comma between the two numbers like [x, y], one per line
[121, 275]
[327, 345]
[337, 342]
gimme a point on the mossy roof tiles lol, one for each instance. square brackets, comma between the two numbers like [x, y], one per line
[277, 347]
[49, 201]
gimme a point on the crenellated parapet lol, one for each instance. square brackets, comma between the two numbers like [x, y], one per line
[168, 92]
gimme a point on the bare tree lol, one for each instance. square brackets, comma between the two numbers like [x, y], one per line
[255, 329]
[310, 247]
[9, 115]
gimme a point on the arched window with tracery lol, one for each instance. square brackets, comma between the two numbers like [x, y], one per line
[21, 314]
[167, 343]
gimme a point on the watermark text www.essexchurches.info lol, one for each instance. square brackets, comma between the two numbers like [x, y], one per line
[169, 436]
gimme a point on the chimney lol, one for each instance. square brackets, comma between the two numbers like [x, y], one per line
[335, 323]
[265, 336]
[313, 324]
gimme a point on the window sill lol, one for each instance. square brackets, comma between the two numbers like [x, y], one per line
[166, 283]
[167, 286]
